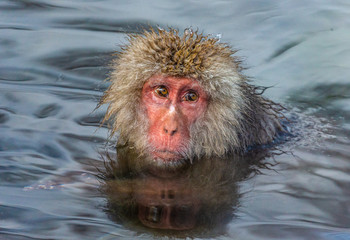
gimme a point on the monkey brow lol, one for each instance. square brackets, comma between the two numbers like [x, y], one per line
[157, 82]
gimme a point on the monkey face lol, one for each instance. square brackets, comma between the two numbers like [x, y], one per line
[172, 105]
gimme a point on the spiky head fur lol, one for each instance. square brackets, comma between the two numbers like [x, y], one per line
[237, 116]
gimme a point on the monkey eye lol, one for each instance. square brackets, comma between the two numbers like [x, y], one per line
[162, 91]
[190, 96]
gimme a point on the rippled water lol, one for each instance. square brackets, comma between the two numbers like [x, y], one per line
[53, 60]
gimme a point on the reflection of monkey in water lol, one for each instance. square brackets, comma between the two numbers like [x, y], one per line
[198, 199]
[178, 97]
[193, 199]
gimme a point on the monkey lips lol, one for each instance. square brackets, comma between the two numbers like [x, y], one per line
[166, 155]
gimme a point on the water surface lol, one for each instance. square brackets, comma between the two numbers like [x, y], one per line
[54, 57]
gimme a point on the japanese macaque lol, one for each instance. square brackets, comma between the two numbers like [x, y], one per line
[174, 97]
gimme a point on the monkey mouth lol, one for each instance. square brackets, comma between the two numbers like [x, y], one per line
[167, 160]
[166, 155]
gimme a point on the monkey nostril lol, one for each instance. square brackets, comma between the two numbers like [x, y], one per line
[170, 132]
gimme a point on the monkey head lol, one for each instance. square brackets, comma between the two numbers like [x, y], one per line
[176, 97]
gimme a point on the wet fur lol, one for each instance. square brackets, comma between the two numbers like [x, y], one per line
[237, 116]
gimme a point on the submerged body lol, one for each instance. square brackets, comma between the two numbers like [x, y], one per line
[178, 97]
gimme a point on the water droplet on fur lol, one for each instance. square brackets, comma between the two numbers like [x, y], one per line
[188, 31]
[218, 36]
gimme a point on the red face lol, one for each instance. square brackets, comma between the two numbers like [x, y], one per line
[172, 105]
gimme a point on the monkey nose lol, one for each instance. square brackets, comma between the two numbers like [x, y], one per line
[170, 130]
[170, 127]
[171, 122]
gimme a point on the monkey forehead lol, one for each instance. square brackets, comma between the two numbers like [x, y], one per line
[174, 82]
